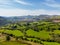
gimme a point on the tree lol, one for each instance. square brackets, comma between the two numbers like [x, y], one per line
[17, 38]
[7, 38]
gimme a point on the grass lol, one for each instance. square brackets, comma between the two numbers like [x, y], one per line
[14, 32]
[11, 43]
[56, 31]
[40, 34]
[51, 43]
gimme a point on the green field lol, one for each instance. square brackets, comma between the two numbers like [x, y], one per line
[42, 32]
[51, 43]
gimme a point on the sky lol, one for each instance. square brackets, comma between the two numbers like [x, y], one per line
[29, 7]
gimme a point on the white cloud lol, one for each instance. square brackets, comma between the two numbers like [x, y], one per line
[52, 3]
[10, 2]
[20, 12]
[22, 2]
[4, 2]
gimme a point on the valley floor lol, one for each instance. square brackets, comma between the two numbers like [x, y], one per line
[14, 42]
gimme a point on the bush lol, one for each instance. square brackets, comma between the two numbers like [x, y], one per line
[7, 38]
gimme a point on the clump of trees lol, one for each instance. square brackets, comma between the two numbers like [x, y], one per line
[35, 29]
[7, 38]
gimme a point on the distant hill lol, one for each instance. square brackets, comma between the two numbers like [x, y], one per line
[29, 18]
[3, 21]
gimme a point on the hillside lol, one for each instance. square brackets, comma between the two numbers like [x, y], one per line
[30, 30]
[3, 21]
[40, 32]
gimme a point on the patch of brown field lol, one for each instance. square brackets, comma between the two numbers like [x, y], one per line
[3, 38]
[28, 42]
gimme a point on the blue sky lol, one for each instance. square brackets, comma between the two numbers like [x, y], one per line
[29, 7]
